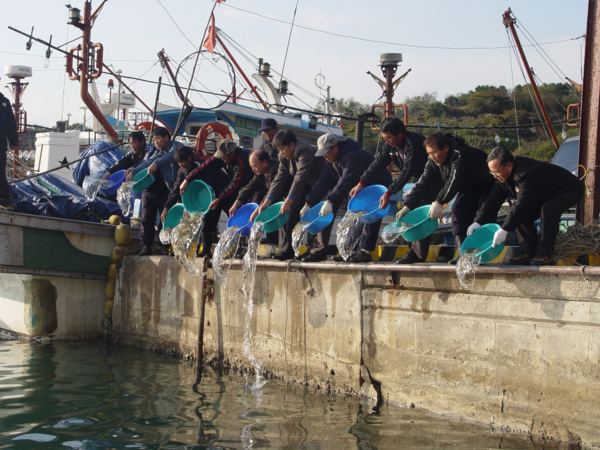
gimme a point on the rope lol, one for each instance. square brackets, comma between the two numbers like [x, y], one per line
[513, 91]
[578, 240]
[588, 189]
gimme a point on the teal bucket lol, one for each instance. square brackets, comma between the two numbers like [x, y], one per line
[271, 218]
[143, 180]
[423, 225]
[482, 238]
[198, 197]
[174, 216]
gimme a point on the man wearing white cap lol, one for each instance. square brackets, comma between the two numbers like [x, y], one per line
[345, 164]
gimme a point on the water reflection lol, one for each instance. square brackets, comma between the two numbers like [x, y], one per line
[96, 396]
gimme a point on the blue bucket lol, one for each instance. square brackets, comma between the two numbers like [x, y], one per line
[482, 238]
[198, 197]
[174, 216]
[117, 179]
[317, 223]
[241, 219]
[272, 219]
[423, 225]
[143, 180]
[367, 201]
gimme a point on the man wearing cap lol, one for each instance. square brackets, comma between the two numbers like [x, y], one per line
[298, 163]
[234, 160]
[269, 130]
[344, 166]
[8, 130]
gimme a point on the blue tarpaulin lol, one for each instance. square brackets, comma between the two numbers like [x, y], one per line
[96, 165]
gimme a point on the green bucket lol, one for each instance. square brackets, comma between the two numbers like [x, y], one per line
[423, 225]
[143, 180]
[271, 218]
[174, 216]
[482, 238]
[198, 197]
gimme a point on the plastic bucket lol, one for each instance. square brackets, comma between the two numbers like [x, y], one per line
[143, 180]
[367, 201]
[241, 219]
[198, 197]
[271, 218]
[317, 223]
[117, 179]
[482, 238]
[423, 225]
[174, 216]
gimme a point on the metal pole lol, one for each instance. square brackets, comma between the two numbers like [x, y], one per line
[155, 106]
[328, 106]
[360, 125]
[510, 22]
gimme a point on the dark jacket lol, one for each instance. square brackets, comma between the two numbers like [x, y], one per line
[164, 160]
[344, 173]
[465, 171]
[129, 160]
[238, 170]
[8, 125]
[266, 146]
[530, 183]
[217, 180]
[304, 168]
[409, 156]
[259, 183]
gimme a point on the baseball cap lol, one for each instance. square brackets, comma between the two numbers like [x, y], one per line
[324, 143]
[224, 148]
[267, 124]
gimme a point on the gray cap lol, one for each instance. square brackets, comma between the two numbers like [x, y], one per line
[224, 148]
[325, 143]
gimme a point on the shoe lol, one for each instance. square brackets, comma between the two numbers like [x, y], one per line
[409, 258]
[280, 256]
[338, 258]
[146, 251]
[303, 255]
[162, 251]
[313, 257]
[543, 260]
[241, 252]
[361, 257]
[521, 260]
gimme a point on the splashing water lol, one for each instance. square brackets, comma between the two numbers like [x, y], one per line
[184, 240]
[392, 232]
[349, 232]
[165, 236]
[224, 253]
[124, 195]
[298, 236]
[249, 276]
[92, 185]
[466, 265]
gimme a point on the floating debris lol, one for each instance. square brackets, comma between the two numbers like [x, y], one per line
[298, 236]
[466, 265]
[224, 254]
[184, 240]
[92, 185]
[392, 232]
[349, 232]
[124, 196]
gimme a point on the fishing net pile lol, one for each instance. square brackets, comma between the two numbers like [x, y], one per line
[578, 240]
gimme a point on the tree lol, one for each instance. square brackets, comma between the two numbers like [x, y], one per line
[419, 102]
[435, 109]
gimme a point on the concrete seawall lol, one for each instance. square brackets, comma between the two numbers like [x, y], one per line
[521, 350]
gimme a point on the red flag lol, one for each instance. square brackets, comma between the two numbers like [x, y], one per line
[210, 41]
[220, 1]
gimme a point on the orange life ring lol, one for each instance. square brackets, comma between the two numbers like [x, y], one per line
[147, 126]
[210, 127]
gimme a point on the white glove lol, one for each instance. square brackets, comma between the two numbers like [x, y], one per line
[472, 228]
[304, 210]
[326, 209]
[435, 211]
[404, 211]
[499, 237]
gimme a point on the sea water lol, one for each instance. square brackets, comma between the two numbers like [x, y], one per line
[184, 240]
[466, 265]
[298, 234]
[393, 231]
[97, 396]
[349, 232]
[224, 254]
[124, 195]
[91, 186]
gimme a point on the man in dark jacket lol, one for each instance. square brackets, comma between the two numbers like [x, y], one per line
[298, 163]
[137, 144]
[345, 164]
[534, 189]
[453, 170]
[269, 129]
[234, 160]
[8, 131]
[216, 179]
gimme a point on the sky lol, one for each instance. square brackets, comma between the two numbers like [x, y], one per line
[133, 31]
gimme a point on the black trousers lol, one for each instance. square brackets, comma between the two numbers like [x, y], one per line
[285, 238]
[151, 206]
[5, 197]
[464, 210]
[550, 212]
